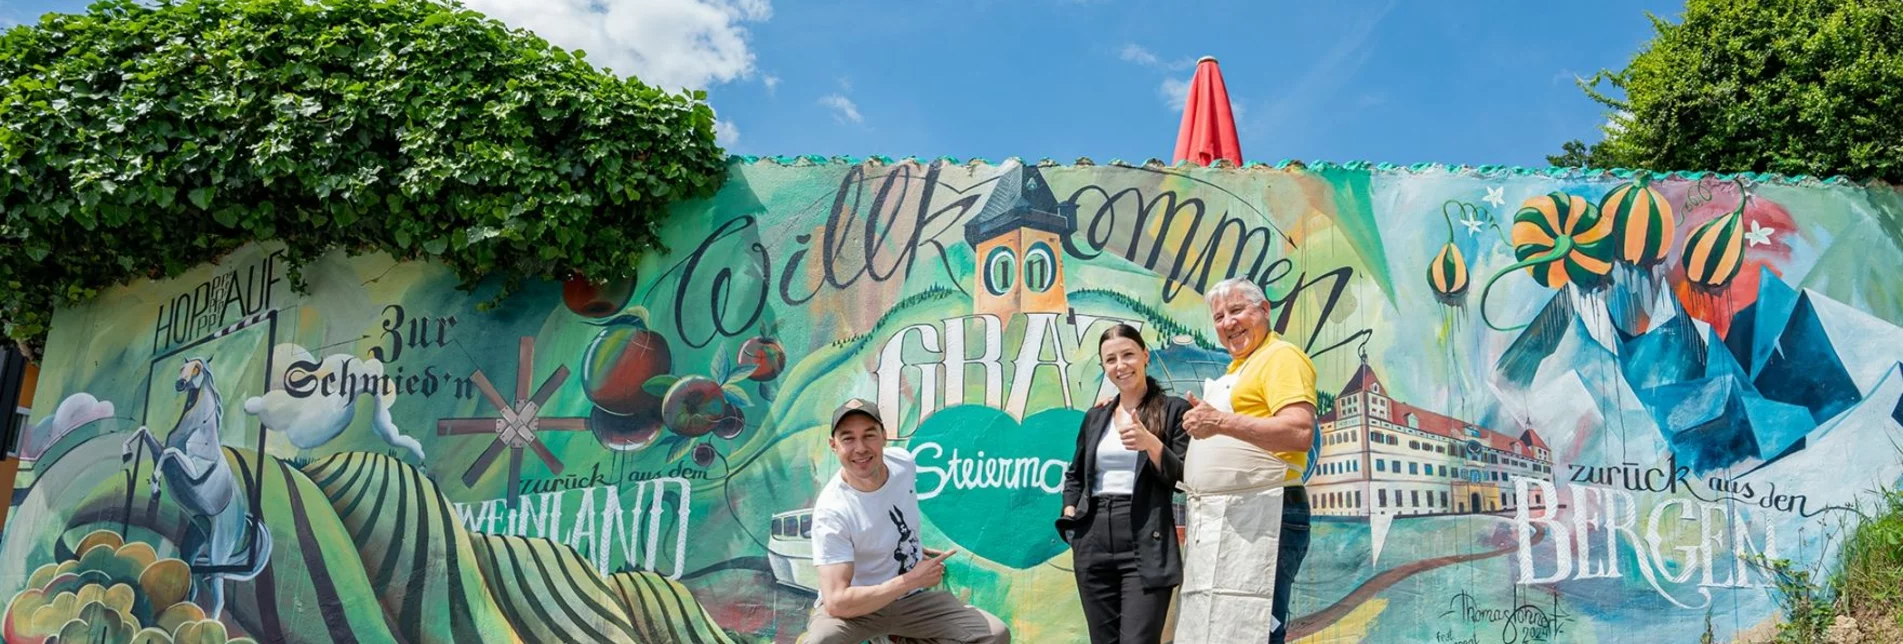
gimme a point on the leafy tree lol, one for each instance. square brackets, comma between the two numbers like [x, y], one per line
[1789, 86]
[1576, 154]
[139, 141]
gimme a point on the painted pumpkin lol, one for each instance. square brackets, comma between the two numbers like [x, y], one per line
[1447, 274]
[1561, 238]
[1642, 223]
[1715, 250]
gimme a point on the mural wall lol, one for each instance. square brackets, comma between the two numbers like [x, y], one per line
[1555, 408]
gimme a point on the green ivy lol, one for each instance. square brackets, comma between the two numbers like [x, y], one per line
[141, 141]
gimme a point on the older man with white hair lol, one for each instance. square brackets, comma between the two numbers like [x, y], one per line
[1248, 513]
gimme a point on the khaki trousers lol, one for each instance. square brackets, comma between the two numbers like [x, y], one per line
[928, 617]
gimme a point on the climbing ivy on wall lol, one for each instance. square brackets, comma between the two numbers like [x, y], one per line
[139, 141]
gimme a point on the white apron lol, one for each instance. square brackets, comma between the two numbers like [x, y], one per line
[1232, 539]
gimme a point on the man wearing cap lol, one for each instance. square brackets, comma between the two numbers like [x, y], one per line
[875, 578]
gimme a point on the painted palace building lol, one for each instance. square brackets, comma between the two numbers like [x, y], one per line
[1383, 456]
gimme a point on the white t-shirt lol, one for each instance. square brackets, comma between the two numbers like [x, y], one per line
[1116, 464]
[876, 532]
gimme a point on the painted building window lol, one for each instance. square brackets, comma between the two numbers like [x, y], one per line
[1413, 468]
[1357, 498]
[1040, 268]
[1381, 496]
[1443, 470]
[1414, 498]
[1001, 268]
[1443, 498]
[1380, 465]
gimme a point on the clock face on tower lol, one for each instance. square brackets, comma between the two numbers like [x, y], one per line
[1473, 450]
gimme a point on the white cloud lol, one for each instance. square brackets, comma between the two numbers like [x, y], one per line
[312, 421]
[1137, 54]
[771, 82]
[672, 44]
[1175, 92]
[726, 133]
[843, 108]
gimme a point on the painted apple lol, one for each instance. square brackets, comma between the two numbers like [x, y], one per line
[704, 455]
[624, 433]
[619, 363]
[766, 357]
[696, 405]
[588, 298]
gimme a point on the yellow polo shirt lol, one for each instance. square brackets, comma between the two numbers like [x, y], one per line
[1277, 374]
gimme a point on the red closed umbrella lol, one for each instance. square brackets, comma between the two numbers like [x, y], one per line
[1209, 129]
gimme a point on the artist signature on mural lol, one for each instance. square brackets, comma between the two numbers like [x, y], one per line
[1523, 623]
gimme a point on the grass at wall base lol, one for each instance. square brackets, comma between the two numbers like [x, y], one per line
[1867, 587]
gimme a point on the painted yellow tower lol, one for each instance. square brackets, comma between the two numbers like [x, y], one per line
[1018, 237]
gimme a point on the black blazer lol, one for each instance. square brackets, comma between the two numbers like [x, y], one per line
[1159, 558]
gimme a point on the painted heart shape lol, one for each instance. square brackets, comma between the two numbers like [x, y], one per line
[993, 484]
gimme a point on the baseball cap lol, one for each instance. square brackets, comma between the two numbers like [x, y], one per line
[857, 406]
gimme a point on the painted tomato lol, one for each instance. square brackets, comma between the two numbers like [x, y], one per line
[624, 433]
[697, 405]
[619, 363]
[766, 357]
[588, 298]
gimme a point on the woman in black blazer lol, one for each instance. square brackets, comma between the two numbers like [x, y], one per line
[1118, 489]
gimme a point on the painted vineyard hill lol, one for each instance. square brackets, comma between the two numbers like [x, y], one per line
[1554, 406]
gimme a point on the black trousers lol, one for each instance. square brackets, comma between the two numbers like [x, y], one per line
[1116, 605]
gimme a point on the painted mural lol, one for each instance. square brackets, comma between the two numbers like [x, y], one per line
[1555, 407]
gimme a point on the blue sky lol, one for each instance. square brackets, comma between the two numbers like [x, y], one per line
[1402, 82]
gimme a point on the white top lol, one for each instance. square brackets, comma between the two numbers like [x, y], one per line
[1116, 464]
[876, 532]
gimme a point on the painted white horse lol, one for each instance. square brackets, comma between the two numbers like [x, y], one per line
[192, 464]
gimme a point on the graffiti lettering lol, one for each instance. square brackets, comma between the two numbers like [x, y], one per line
[1047, 342]
[1340, 278]
[1523, 623]
[1106, 207]
[597, 524]
[1606, 514]
[988, 472]
[596, 478]
[209, 306]
[1673, 478]
[302, 379]
[1670, 479]
[403, 332]
[725, 323]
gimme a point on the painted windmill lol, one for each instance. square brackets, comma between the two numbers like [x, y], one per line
[518, 425]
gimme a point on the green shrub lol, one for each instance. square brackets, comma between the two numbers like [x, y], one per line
[140, 141]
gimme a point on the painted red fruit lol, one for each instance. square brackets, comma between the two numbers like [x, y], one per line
[623, 356]
[624, 433]
[704, 455]
[696, 405]
[765, 356]
[592, 299]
